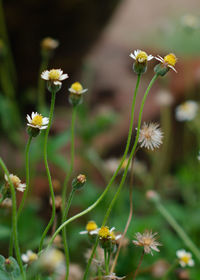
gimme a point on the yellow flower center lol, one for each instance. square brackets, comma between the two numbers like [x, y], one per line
[185, 259]
[15, 180]
[142, 57]
[54, 75]
[77, 87]
[37, 120]
[170, 59]
[147, 241]
[33, 257]
[91, 226]
[104, 232]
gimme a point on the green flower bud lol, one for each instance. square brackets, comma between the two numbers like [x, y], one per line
[79, 182]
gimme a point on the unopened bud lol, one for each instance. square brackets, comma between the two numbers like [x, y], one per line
[152, 196]
[79, 182]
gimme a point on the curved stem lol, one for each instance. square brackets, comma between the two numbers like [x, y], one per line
[139, 264]
[27, 178]
[129, 218]
[178, 229]
[14, 219]
[126, 169]
[48, 171]
[64, 192]
[91, 207]
[64, 234]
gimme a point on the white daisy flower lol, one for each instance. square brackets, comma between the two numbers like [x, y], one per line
[141, 56]
[55, 76]
[150, 136]
[29, 257]
[186, 111]
[168, 61]
[37, 121]
[77, 88]
[185, 258]
[16, 182]
[91, 228]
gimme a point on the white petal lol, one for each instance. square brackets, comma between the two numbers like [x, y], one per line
[43, 127]
[83, 232]
[45, 75]
[28, 118]
[57, 83]
[6, 177]
[25, 258]
[191, 262]
[63, 77]
[45, 121]
[170, 66]
[132, 56]
[84, 90]
[112, 229]
[159, 59]
[150, 57]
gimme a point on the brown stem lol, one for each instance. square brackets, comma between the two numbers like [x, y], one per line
[138, 267]
[129, 217]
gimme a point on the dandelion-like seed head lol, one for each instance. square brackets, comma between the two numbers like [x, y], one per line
[150, 136]
[91, 225]
[185, 258]
[104, 232]
[148, 241]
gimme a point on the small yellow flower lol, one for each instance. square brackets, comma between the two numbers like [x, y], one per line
[29, 257]
[91, 225]
[104, 233]
[16, 182]
[55, 76]
[37, 121]
[141, 56]
[185, 258]
[168, 61]
[77, 88]
[91, 228]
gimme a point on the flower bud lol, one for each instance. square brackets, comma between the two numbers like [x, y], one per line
[79, 182]
[9, 265]
[161, 69]
[152, 196]
[76, 94]
[32, 131]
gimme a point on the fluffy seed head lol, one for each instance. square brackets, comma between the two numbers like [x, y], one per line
[148, 241]
[150, 136]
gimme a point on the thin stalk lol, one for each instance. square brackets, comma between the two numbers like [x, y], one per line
[179, 230]
[91, 207]
[53, 98]
[64, 192]
[105, 261]
[125, 171]
[129, 218]
[64, 234]
[139, 264]
[27, 177]
[14, 219]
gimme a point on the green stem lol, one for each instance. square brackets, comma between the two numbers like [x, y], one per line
[91, 207]
[64, 234]
[14, 219]
[138, 267]
[53, 98]
[125, 171]
[27, 177]
[188, 242]
[64, 192]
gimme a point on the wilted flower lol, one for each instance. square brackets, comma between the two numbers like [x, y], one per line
[49, 44]
[148, 241]
[91, 228]
[6, 203]
[168, 61]
[75, 272]
[185, 258]
[37, 121]
[55, 76]
[150, 136]
[98, 259]
[29, 257]
[186, 111]
[141, 58]
[58, 202]
[16, 182]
